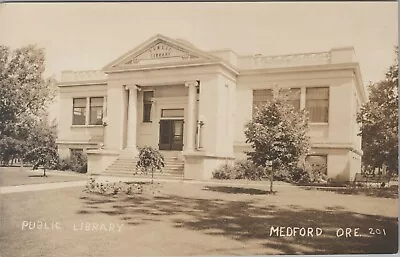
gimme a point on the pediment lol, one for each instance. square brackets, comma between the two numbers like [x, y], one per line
[160, 50]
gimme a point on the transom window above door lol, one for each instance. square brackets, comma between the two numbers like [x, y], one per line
[172, 113]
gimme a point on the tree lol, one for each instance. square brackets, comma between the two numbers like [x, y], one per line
[9, 149]
[24, 97]
[278, 135]
[378, 119]
[22, 87]
[44, 157]
[150, 159]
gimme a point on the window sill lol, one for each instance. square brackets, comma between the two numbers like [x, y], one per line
[86, 126]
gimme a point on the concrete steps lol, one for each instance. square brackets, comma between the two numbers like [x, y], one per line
[125, 166]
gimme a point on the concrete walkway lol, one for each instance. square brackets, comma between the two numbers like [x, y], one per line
[40, 187]
[113, 179]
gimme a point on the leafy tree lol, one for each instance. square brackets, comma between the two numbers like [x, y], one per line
[24, 98]
[44, 157]
[378, 120]
[22, 87]
[278, 135]
[9, 149]
[150, 159]
[42, 133]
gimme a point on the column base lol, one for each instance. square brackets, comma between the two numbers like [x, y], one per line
[99, 160]
[130, 152]
[200, 166]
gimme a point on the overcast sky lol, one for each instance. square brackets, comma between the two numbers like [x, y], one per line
[81, 36]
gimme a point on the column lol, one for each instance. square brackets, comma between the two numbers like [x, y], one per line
[302, 98]
[191, 119]
[132, 118]
[87, 117]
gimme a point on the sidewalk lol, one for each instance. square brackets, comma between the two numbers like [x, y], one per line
[113, 179]
[40, 187]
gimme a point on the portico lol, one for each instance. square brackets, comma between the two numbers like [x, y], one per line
[159, 95]
[175, 117]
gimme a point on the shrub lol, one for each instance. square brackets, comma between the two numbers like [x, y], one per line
[64, 164]
[283, 175]
[246, 169]
[77, 162]
[150, 159]
[299, 175]
[318, 177]
[242, 169]
[112, 188]
[134, 189]
[308, 175]
[224, 172]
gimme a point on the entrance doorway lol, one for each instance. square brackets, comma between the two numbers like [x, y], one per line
[171, 135]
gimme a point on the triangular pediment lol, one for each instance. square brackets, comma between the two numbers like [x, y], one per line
[160, 50]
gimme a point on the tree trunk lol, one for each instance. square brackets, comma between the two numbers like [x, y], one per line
[44, 172]
[152, 175]
[271, 179]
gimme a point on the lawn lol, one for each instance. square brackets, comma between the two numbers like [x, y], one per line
[13, 176]
[386, 192]
[178, 218]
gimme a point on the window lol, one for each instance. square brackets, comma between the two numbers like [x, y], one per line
[79, 111]
[294, 98]
[261, 96]
[147, 102]
[96, 111]
[318, 163]
[317, 104]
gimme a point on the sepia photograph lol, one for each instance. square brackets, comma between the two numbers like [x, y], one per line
[198, 128]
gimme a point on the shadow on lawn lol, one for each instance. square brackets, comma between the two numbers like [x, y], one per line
[237, 190]
[392, 192]
[252, 220]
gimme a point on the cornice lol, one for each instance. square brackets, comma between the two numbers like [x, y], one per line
[309, 68]
[171, 66]
[347, 146]
[82, 83]
[67, 142]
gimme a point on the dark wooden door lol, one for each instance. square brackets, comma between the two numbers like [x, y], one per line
[171, 135]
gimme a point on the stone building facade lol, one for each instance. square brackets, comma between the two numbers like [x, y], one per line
[193, 106]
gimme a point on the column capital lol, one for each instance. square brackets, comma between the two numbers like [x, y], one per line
[191, 83]
[132, 86]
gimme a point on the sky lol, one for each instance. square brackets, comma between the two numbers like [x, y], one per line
[87, 36]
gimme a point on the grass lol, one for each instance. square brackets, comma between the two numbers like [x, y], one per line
[13, 176]
[195, 219]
